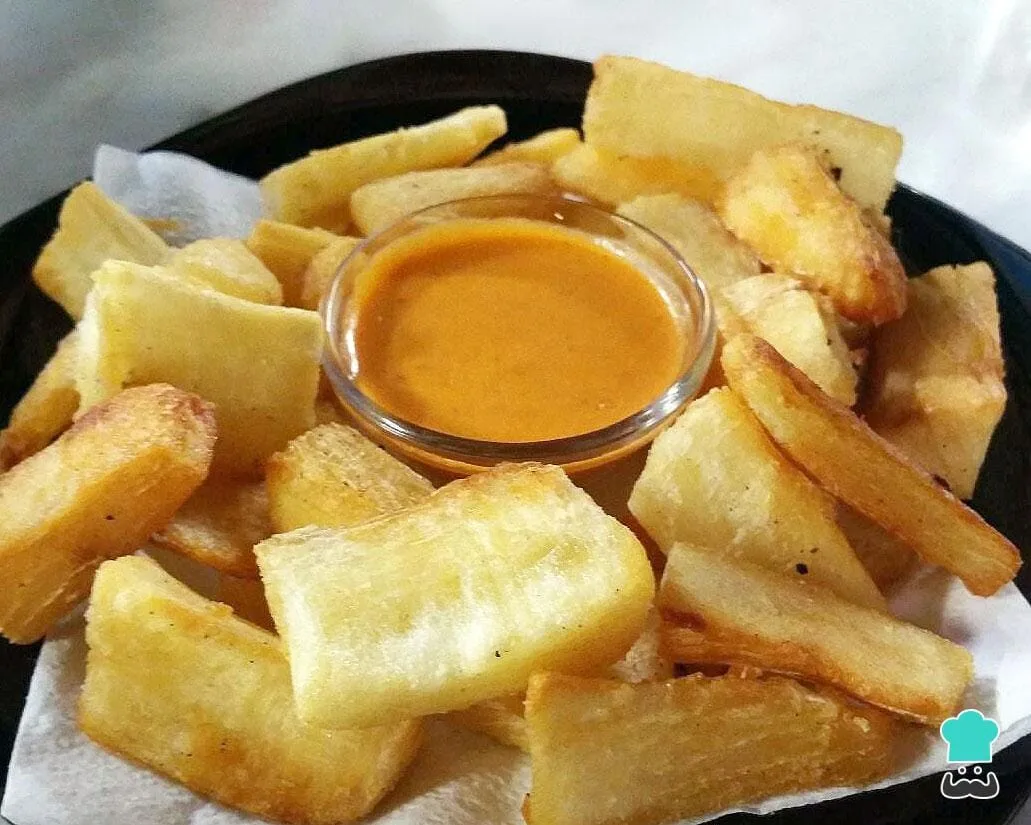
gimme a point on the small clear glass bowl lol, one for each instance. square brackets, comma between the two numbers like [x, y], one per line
[685, 294]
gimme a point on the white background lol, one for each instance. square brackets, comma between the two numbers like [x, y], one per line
[953, 75]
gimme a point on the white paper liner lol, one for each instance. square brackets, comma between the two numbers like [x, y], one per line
[196, 199]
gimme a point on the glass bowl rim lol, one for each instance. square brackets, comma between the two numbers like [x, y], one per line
[482, 453]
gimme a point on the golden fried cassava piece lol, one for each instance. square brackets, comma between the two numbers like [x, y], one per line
[220, 524]
[715, 478]
[865, 471]
[228, 266]
[785, 204]
[696, 232]
[91, 228]
[545, 147]
[492, 577]
[380, 203]
[801, 326]
[315, 190]
[886, 558]
[717, 609]
[287, 250]
[46, 410]
[606, 753]
[258, 364]
[640, 109]
[97, 492]
[935, 385]
[333, 476]
[502, 718]
[319, 275]
[611, 178]
[179, 684]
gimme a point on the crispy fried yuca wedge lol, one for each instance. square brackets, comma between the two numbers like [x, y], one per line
[802, 327]
[321, 271]
[46, 410]
[610, 178]
[639, 108]
[502, 718]
[605, 753]
[936, 375]
[948, 426]
[717, 609]
[886, 558]
[287, 250]
[315, 190]
[91, 228]
[697, 233]
[490, 578]
[380, 203]
[179, 684]
[785, 204]
[865, 471]
[715, 478]
[226, 265]
[545, 147]
[333, 476]
[220, 524]
[258, 364]
[97, 492]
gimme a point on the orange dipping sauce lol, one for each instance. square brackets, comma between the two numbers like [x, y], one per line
[510, 330]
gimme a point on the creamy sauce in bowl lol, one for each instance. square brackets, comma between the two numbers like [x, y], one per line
[510, 330]
[516, 328]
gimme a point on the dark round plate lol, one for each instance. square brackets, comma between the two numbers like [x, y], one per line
[539, 92]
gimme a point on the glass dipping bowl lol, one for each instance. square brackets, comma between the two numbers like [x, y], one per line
[685, 294]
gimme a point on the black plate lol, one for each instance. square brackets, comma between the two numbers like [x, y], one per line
[538, 92]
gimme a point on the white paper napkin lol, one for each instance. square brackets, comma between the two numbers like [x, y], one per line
[58, 777]
[196, 199]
